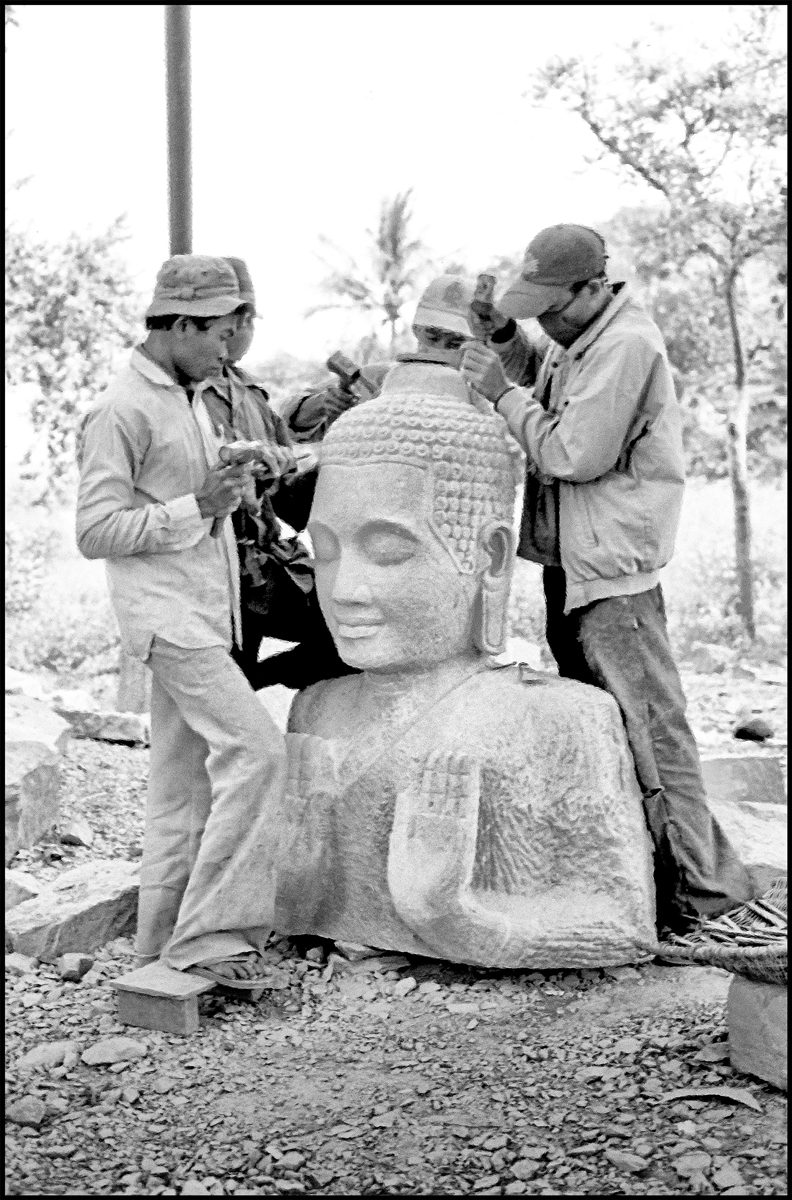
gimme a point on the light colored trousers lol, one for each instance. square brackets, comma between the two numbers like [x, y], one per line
[217, 775]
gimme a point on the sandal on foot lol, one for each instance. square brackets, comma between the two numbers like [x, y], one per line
[247, 984]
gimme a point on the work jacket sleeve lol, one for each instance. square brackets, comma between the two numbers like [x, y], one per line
[521, 356]
[113, 518]
[305, 416]
[582, 434]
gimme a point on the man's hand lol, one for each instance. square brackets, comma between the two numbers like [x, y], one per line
[482, 369]
[221, 490]
[337, 400]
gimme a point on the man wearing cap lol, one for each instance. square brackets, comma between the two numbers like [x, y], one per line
[601, 430]
[277, 593]
[440, 327]
[151, 489]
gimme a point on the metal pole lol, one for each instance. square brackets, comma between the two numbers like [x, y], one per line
[177, 41]
[134, 681]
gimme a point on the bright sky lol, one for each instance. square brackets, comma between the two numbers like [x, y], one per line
[304, 118]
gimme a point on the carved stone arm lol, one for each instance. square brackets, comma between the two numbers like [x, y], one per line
[303, 836]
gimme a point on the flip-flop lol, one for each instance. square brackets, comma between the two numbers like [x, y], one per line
[254, 983]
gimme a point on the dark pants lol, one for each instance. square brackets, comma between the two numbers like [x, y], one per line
[313, 658]
[621, 644]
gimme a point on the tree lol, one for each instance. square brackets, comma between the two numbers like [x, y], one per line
[696, 333]
[383, 285]
[69, 309]
[709, 142]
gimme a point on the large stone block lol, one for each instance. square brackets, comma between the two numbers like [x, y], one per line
[741, 778]
[127, 727]
[746, 794]
[35, 738]
[80, 911]
[756, 1015]
[19, 886]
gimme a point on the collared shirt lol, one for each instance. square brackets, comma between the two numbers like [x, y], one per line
[142, 460]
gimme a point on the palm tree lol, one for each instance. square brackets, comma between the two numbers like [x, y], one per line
[383, 284]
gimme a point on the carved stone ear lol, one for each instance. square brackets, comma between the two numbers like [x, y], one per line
[496, 539]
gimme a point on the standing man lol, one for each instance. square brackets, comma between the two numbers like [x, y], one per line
[605, 474]
[151, 488]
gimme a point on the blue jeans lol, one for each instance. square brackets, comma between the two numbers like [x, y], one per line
[621, 644]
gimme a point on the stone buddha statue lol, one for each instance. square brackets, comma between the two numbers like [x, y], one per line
[440, 802]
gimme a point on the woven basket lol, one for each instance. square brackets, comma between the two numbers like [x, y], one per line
[750, 940]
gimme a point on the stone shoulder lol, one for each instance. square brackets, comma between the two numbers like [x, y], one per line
[315, 707]
[495, 703]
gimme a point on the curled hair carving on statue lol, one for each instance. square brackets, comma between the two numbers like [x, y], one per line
[436, 429]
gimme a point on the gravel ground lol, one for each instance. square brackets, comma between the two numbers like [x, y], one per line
[396, 1076]
[422, 1080]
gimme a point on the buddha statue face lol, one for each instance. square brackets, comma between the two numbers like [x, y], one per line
[411, 530]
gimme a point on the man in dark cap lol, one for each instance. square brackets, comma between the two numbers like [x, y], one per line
[592, 404]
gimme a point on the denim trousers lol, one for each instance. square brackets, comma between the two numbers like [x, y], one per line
[621, 644]
[217, 776]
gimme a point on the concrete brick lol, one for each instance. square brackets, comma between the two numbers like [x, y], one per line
[156, 997]
[82, 910]
[756, 1015]
[158, 1012]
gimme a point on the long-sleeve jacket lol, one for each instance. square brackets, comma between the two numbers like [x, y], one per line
[610, 434]
[142, 461]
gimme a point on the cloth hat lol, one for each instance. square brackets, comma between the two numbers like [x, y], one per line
[446, 304]
[245, 282]
[195, 285]
[556, 258]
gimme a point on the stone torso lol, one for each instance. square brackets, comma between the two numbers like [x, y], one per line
[558, 814]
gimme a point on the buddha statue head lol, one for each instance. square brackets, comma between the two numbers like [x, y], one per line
[412, 526]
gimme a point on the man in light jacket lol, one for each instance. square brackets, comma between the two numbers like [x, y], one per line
[151, 488]
[592, 404]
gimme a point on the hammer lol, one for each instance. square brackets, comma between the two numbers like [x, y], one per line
[481, 304]
[239, 453]
[348, 372]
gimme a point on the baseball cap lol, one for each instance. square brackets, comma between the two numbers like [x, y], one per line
[556, 258]
[239, 267]
[195, 285]
[446, 303]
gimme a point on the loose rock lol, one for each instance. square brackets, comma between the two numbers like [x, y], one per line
[72, 967]
[48, 1054]
[755, 729]
[625, 1161]
[27, 1111]
[77, 833]
[19, 886]
[114, 1050]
